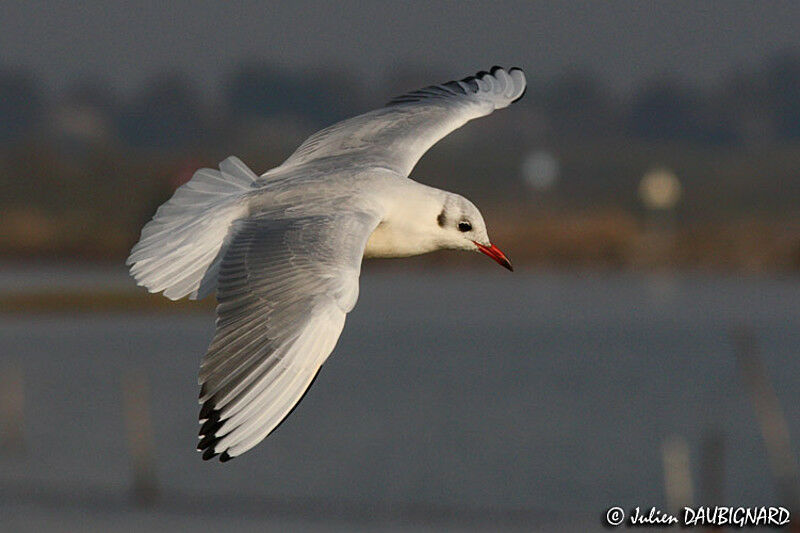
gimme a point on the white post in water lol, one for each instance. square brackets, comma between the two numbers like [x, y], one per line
[677, 473]
[139, 430]
[774, 428]
[12, 409]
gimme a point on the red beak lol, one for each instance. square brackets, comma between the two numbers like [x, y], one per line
[495, 253]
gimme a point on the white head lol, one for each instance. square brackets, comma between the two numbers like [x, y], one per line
[459, 224]
[461, 227]
[425, 219]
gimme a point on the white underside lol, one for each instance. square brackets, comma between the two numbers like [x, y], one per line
[385, 242]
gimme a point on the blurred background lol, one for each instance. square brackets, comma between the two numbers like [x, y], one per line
[647, 189]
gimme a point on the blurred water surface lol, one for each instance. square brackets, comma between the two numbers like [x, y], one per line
[469, 400]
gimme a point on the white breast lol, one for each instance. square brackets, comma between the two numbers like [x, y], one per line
[387, 241]
[409, 224]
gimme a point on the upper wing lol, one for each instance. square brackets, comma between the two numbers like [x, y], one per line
[284, 287]
[397, 135]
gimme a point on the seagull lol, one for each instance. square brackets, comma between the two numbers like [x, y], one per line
[283, 250]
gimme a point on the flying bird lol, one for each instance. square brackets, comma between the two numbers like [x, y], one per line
[283, 250]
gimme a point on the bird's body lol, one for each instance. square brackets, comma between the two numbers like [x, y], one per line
[283, 250]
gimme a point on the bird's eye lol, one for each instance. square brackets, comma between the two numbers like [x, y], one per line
[464, 227]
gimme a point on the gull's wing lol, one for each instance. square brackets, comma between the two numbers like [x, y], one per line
[284, 287]
[397, 135]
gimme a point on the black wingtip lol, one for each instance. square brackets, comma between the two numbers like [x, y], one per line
[209, 454]
[207, 441]
[206, 410]
[211, 425]
[451, 87]
[210, 416]
[224, 457]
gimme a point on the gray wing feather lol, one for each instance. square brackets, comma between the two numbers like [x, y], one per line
[397, 135]
[284, 288]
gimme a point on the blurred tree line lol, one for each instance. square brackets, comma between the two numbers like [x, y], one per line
[746, 108]
[86, 167]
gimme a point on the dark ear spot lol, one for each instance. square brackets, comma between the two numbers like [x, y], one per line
[441, 219]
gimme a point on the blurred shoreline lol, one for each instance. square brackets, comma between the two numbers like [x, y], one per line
[80, 287]
[600, 238]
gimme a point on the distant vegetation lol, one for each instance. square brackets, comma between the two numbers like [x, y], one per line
[82, 170]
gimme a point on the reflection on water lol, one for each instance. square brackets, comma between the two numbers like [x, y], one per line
[517, 398]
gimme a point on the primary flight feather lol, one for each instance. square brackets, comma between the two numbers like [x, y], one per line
[283, 250]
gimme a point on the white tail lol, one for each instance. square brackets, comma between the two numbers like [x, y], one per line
[179, 251]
